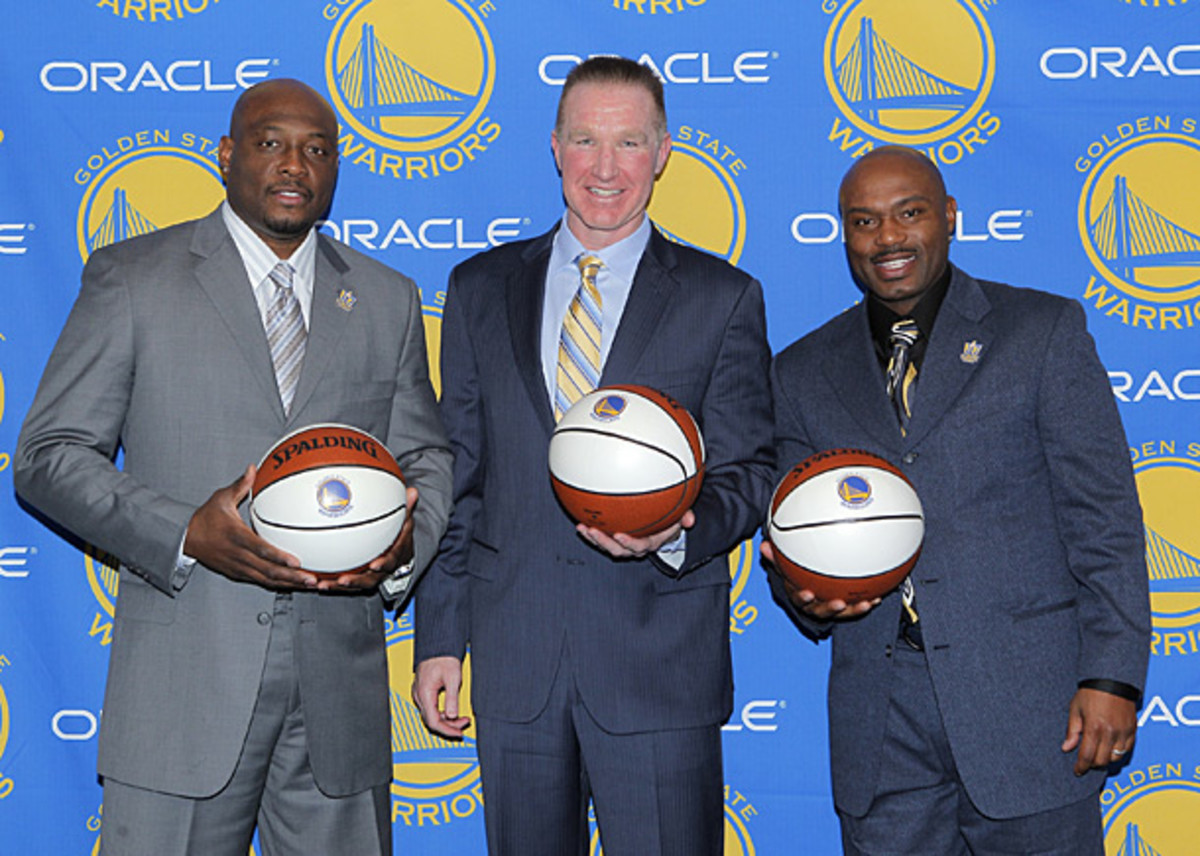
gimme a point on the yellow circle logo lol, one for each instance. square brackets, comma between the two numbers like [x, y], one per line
[1139, 220]
[1169, 489]
[696, 201]
[433, 780]
[144, 190]
[913, 72]
[102, 577]
[1151, 811]
[412, 78]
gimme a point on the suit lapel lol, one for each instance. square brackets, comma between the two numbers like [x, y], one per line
[852, 368]
[524, 294]
[654, 285]
[959, 340]
[327, 321]
[222, 275]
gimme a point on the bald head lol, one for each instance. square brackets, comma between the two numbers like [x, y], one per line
[892, 158]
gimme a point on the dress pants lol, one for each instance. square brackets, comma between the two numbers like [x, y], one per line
[921, 807]
[271, 788]
[654, 792]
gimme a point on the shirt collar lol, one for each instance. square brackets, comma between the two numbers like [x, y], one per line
[620, 259]
[881, 316]
[259, 259]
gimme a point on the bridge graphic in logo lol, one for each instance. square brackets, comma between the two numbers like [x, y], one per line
[1156, 818]
[1168, 485]
[120, 221]
[873, 75]
[1129, 234]
[377, 84]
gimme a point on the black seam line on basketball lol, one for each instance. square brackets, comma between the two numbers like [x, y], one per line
[636, 442]
[797, 526]
[350, 524]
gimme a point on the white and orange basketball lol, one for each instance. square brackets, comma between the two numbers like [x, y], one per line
[331, 495]
[846, 525]
[627, 459]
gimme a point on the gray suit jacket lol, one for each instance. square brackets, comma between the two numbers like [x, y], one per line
[649, 645]
[164, 355]
[1032, 576]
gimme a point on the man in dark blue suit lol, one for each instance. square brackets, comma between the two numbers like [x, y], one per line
[977, 711]
[600, 664]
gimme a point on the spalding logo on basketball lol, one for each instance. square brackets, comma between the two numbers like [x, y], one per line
[331, 495]
[627, 459]
[846, 525]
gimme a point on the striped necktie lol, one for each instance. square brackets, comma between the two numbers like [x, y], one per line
[286, 334]
[578, 370]
[901, 372]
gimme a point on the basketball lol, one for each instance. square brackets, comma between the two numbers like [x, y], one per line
[846, 525]
[627, 459]
[331, 495]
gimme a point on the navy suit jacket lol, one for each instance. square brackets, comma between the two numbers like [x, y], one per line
[1032, 576]
[649, 645]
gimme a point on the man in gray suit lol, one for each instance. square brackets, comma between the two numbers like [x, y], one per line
[601, 664]
[977, 711]
[243, 690]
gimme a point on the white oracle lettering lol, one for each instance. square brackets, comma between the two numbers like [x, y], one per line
[435, 233]
[1002, 225]
[14, 561]
[1157, 710]
[75, 725]
[683, 67]
[12, 239]
[1072, 63]
[184, 75]
[758, 715]
[1182, 386]
[825, 229]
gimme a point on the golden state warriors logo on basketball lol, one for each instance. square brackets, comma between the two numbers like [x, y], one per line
[143, 181]
[854, 491]
[435, 782]
[893, 76]
[1152, 810]
[1139, 222]
[1168, 481]
[411, 83]
[696, 200]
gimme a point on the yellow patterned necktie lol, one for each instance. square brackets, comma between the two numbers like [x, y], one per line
[901, 372]
[578, 370]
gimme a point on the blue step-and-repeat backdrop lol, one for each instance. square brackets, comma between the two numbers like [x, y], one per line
[1067, 131]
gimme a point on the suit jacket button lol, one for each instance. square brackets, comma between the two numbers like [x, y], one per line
[264, 618]
[909, 457]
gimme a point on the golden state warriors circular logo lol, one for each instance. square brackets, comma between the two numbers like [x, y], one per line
[915, 73]
[410, 83]
[1168, 482]
[1139, 222]
[434, 781]
[696, 200]
[102, 577]
[854, 491]
[1151, 811]
[145, 189]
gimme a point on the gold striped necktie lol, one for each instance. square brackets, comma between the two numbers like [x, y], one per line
[578, 370]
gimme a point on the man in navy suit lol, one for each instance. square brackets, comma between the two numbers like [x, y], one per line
[600, 664]
[979, 715]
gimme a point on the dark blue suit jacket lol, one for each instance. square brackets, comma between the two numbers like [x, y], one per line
[649, 645]
[1032, 575]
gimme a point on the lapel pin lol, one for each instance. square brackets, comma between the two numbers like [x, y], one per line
[346, 300]
[970, 352]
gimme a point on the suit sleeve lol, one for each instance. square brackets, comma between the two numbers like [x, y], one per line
[1096, 506]
[736, 420]
[441, 606]
[416, 436]
[64, 462]
[792, 445]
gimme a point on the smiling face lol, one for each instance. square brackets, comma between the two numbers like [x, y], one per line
[280, 161]
[609, 149]
[897, 220]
